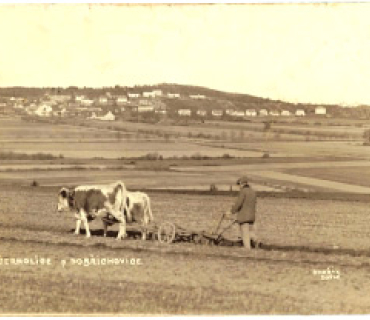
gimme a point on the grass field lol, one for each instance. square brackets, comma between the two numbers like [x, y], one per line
[118, 149]
[16, 129]
[186, 278]
[135, 179]
[101, 140]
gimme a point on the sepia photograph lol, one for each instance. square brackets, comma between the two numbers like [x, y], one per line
[184, 159]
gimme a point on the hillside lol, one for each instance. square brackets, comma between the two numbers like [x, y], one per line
[213, 99]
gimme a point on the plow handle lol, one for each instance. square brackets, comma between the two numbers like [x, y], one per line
[219, 224]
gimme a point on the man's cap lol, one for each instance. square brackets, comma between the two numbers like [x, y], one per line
[242, 181]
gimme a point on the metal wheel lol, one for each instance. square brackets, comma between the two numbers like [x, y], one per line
[166, 232]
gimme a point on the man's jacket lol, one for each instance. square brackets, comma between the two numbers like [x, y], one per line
[245, 205]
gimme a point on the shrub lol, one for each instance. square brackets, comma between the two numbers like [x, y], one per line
[24, 156]
[366, 137]
[152, 156]
[34, 183]
[267, 125]
[212, 187]
[266, 155]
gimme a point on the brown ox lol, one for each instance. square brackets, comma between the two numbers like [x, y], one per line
[91, 202]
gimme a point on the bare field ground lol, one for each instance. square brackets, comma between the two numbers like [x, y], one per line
[186, 278]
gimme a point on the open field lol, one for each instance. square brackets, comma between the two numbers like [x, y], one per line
[339, 149]
[299, 236]
[187, 278]
[351, 174]
[87, 139]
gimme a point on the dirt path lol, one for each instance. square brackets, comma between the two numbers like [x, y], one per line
[271, 172]
[332, 185]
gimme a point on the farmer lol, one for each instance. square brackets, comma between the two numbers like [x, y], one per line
[245, 209]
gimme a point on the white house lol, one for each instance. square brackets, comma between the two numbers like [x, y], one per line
[152, 94]
[44, 111]
[300, 113]
[161, 111]
[121, 100]
[184, 112]
[60, 97]
[144, 102]
[157, 92]
[108, 117]
[87, 102]
[274, 113]
[263, 112]
[173, 95]
[133, 95]
[103, 100]
[197, 96]
[250, 113]
[320, 110]
[201, 113]
[217, 113]
[238, 114]
[285, 113]
[149, 94]
[144, 108]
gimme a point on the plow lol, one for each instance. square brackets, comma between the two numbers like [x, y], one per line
[168, 232]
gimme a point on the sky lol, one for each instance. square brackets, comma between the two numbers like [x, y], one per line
[316, 53]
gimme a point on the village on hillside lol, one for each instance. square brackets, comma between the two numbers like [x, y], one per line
[108, 106]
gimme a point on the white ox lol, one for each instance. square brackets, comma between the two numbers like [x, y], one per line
[91, 202]
[137, 209]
